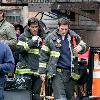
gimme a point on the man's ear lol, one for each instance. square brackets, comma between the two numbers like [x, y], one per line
[68, 26]
[28, 27]
[58, 27]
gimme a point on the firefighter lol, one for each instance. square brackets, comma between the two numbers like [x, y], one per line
[28, 47]
[57, 59]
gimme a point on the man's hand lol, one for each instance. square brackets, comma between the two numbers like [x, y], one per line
[43, 77]
[35, 38]
[78, 48]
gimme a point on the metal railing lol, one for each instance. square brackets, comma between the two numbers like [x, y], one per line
[52, 1]
[14, 1]
[45, 1]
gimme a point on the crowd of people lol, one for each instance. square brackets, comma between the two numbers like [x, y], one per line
[29, 52]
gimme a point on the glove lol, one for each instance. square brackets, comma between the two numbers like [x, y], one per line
[39, 41]
[35, 38]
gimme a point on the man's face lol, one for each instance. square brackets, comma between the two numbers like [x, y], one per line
[63, 29]
[1, 15]
[17, 30]
[34, 29]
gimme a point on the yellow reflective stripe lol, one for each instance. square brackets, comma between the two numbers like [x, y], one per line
[34, 51]
[24, 71]
[59, 70]
[48, 76]
[42, 65]
[45, 48]
[23, 44]
[36, 73]
[55, 54]
[75, 76]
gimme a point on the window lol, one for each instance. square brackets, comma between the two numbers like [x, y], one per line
[13, 19]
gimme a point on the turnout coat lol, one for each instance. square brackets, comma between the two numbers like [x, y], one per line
[50, 53]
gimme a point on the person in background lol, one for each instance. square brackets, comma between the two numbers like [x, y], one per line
[6, 65]
[57, 59]
[19, 30]
[28, 47]
[7, 31]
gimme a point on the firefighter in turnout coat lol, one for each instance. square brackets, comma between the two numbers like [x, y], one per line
[28, 48]
[57, 59]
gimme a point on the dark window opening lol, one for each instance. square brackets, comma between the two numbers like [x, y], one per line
[70, 15]
[89, 11]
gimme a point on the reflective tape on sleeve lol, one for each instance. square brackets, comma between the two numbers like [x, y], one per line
[55, 54]
[24, 71]
[45, 48]
[34, 51]
[43, 65]
[20, 71]
[24, 44]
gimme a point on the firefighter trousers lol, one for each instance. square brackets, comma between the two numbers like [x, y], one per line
[36, 87]
[63, 86]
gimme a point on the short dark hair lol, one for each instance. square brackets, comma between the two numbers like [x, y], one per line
[33, 20]
[20, 27]
[63, 21]
[3, 13]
